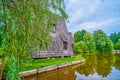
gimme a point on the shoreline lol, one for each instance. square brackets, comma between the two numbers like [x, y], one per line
[49, 68]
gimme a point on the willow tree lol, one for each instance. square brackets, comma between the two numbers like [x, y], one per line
[26, 23]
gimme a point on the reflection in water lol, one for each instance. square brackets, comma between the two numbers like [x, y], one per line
[98, 66]
[117, 62]
[67, 73]
[88, 67]
[104, 63]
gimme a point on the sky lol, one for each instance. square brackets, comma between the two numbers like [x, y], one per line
[93, 14]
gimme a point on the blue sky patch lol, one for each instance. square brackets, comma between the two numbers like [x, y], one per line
[93, 14]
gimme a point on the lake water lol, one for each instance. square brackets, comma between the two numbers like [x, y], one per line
[98, 66]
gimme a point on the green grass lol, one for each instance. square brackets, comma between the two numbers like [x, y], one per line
[40, 63]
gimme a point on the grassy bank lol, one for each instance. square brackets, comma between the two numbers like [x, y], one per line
[39, 63]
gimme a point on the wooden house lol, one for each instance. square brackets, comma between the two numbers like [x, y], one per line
[61, 43]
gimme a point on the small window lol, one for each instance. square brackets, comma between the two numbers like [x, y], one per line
[54, 28]
[65, 45]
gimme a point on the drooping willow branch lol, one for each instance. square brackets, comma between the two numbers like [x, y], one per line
[27, 22]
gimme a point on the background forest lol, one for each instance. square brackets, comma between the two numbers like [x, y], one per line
[98, 41]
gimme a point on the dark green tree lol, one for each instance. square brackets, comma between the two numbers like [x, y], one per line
[80, 47]
[115, 37]
[102, 42]
[78, 36]
[117, 45]
[89, 42]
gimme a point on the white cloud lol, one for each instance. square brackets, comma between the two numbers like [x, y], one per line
[93, 14]
[77, 9]
[93, 25]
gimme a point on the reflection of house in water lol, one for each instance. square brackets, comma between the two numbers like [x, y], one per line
[67, 73]
[62, 42]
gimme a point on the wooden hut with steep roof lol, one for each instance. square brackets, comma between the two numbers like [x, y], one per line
[61, 43]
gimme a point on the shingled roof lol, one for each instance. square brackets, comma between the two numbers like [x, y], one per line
[61, 42]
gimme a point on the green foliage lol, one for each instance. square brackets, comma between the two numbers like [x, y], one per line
[1, 52]
[102, 42]
[78, 36]
[109, 45]
[26, 23]
[1, 34]
[89, 42]
[80, 47]
[115, 37]
[117, 45]
[86, 42]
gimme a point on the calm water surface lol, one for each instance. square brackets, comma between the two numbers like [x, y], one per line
[99, 66]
